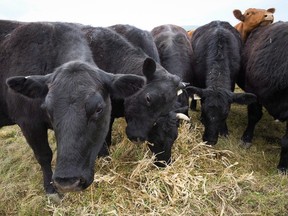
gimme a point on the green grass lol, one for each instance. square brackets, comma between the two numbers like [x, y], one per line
[221, 180]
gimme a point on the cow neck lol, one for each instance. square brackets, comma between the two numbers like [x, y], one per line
[216, 78]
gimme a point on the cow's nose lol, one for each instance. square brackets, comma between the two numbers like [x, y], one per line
[69, 184]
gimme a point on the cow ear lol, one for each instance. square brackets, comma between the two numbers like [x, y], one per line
[149, 68]
[244, 98]
[30, 86]
[271, 10]
[238, 15]
[195, 90]
[125, 85]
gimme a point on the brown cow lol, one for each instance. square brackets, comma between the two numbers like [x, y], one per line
[251, 19]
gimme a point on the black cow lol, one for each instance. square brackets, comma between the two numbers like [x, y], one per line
[115, 54]
[54, 83]
[139, 38]
[175, 50]
[216, 60]
[265, 64]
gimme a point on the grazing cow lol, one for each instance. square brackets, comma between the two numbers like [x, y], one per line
[251, 19]
[175, 50]
[53, 82]
[115, 54]
[216, 57]
[265, 63]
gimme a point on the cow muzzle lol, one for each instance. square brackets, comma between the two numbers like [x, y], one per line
[65, 185]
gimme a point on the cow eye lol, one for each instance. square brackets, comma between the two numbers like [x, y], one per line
[148, 99]
[94, 106]
[99, 109]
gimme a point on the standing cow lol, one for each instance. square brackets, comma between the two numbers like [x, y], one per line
[53, 82]
[175, 52]
[114, 53]
[265, 66]
[216, 59]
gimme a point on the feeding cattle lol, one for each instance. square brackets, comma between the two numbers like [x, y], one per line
[251, 19]
[115, 54]
[175, 50]
[266, 73]
[216, 59]
[49, 80]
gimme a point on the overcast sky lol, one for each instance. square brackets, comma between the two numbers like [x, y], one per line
[144, 14]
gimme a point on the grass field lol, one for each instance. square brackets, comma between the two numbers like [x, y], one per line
[202, 180]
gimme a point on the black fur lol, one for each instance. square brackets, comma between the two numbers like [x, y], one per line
[265, 73]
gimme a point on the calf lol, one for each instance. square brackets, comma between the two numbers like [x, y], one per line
[266, 72]
[115, 54]
[216, 58]
[251, 19]
[53, 82]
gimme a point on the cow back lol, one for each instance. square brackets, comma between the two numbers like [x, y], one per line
[265, 65]
[216, 55]
[139, 38]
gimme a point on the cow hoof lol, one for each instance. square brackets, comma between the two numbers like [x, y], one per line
[55, 198]
[245, 145]
[282, 170]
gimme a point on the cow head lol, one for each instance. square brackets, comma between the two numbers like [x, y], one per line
[163, 135]
[252, 18]
[156, 98]
[215, 107]
[76, 97]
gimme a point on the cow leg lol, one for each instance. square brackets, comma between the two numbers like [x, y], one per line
[283, 163]
[254, 115]
[223, 130]
[105, 148]
[37, 138]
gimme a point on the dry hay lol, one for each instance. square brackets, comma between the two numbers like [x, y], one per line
[200, 181]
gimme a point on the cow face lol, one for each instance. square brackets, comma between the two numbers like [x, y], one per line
[76, 99]
[253, 18]
[156, 98]
[215, 107]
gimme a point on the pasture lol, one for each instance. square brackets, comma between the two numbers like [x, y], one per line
[221, 180]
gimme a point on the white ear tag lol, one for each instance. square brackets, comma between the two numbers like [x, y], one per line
[179, 92]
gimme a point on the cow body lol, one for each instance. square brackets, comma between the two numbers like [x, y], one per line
[175, 51]
[114, 53]
[266, 75]
[53, 82]
[216, 57]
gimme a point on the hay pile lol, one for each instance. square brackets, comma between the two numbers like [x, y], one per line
[201, 181]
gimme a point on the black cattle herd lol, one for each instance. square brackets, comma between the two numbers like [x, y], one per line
[77, 79]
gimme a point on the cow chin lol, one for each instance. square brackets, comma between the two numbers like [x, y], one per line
[266, 22]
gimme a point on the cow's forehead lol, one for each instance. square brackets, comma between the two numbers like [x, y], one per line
[256, 10]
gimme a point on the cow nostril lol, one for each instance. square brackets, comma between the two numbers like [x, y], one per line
[69, 184]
